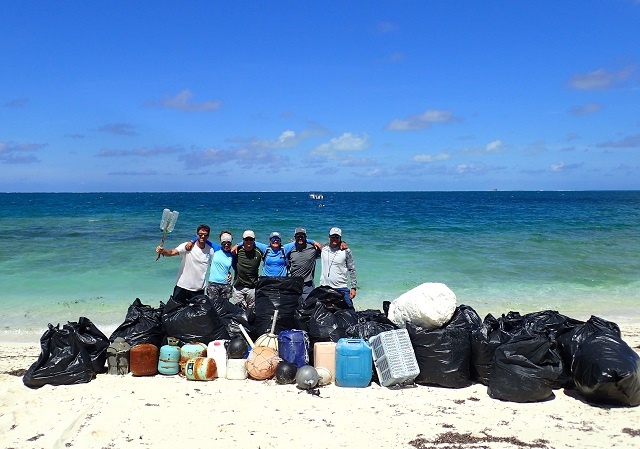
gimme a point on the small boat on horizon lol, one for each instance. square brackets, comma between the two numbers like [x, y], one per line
[316, 196]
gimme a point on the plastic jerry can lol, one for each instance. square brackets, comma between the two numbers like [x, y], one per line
[218, 352]
[293, 346]
[354, 363]
[169, 359]
[237, 369]
[118, 357]
[143, 359]
[200, 368]
[324, 355]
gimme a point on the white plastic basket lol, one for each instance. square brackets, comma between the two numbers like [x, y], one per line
[394, 358]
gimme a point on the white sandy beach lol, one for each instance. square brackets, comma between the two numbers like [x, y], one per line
[162, 412]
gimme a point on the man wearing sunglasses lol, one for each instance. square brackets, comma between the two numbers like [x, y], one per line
[193, 268]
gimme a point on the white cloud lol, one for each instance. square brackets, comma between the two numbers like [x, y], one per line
[426, 158]
[494, 146]
[346, 142]
[561, 166]
[422, 121]
[287, 139]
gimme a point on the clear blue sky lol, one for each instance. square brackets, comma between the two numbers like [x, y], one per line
[319, 96]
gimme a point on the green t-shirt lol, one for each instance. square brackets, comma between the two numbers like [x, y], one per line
[247, 265]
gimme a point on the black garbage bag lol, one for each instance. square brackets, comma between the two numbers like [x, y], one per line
[526, 368]
[444, 355]
[93, 340]
[370, 323]
[281, 293]
[511, 322]
[333, 299]
[63, 360]
[553, 321]
[484, 342]
[570, 339]
[143, 324]
[607, 371]
[329, 324]
[555, 324]
[231, 316]
[193, 320]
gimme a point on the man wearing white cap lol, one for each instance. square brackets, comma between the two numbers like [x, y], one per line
[246, 266]
[338, 267]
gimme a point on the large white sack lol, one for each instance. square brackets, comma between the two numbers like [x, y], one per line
[430, 305]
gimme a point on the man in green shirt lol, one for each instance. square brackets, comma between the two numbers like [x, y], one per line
[247, 263]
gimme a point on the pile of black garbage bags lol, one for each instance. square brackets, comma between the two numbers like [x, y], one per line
[520, 358]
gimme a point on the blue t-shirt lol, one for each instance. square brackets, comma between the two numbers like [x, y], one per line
[220, 266]
[275, 262]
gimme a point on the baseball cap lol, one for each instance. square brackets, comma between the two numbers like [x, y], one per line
[335, 231]
[248, 233]
[274, 234]
[226, 237]
[300, 230]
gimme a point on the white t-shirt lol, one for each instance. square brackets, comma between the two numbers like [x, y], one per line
[193, 269]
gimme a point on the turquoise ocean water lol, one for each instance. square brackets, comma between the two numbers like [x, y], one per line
[65, 255]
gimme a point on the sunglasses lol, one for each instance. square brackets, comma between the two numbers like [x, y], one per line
[248, 239]
[202, 234]
[275, 239]
[299, 236]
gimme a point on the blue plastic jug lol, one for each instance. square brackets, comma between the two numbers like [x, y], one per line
[293, 346]
[353, 363]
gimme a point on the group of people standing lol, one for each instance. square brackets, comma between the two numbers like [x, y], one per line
[296, 258]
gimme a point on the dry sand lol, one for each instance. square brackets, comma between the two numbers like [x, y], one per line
[170, 411]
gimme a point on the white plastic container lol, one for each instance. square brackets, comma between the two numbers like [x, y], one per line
[218, 352]
[324, 355]
[394, 358]
[237, 369]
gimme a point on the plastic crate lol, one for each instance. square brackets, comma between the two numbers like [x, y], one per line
[394, 358]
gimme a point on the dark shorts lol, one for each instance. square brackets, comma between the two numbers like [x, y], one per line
[182, 295]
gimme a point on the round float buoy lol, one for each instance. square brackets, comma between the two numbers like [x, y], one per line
[286, 372]
[325, 376]
[237, 348]
[262, 362]
[307, 377]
